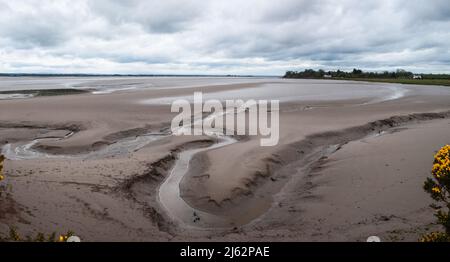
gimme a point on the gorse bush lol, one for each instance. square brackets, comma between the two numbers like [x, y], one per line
[2, 159]
[14, 236]
[438, 186]
[3, 186]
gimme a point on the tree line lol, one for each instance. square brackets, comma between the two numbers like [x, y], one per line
[358, 73]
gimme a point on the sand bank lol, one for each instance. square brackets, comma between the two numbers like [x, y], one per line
[267, 193]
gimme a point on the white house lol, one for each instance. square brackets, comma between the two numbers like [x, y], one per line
[417, 77]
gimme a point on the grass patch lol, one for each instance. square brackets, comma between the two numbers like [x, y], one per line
[435, 82]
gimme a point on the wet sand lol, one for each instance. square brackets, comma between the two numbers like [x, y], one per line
[306, 188]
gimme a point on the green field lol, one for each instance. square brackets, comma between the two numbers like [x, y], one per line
[437, 82]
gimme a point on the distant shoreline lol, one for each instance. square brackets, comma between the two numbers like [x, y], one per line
[398, 77]
[123, 75]
[433, 82]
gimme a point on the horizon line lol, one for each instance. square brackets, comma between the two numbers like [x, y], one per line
[124, 75]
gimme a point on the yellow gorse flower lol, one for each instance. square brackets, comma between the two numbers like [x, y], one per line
[434, 237]
[441, 167]
[436, 190]
[2, 158]
[63, 238]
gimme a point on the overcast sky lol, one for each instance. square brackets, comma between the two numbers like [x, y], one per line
[223, 37]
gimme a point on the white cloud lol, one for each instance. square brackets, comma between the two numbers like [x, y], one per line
[222, 37]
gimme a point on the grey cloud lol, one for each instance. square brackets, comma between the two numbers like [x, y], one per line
[27, 29]
[167, 16]
[219, 36]
[39, 34]
[290, 10]
[425, 11]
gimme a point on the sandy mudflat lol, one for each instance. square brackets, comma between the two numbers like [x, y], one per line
[350, 163]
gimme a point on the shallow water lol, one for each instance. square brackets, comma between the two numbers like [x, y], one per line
[25, 151]
[269, 88]
[302, 90]
[106, 85]
[15, 96]
[174, 204]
